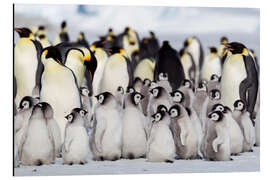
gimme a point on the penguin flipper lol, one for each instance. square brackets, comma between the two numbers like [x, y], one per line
[130, 71]
[244, 85]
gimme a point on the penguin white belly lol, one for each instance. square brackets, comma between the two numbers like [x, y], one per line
[78, 69]
[37, 136]
[134, 133]
[211, 66]
[61, 92]
[186, 63]
[234, 72]
[115, 75]
[145, 70]
[25, 65]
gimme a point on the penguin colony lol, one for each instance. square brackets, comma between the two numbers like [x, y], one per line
[126, 97]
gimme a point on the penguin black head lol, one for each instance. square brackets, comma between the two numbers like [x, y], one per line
[120, 90]
[52, 52]
[26, 103]
[103, 98]
[223, 40]
[70, 117]
[126, 30]
[115, 49]
[162, 107]
[214, 77]
[215, 94]
[63, 24]
[213, 49]
[91, 64]
[157, 91]
[188, 41]
[166, 44]
[181, 52]
[187, 83]
[236, 48]
[47, 110]
[41, 28]
[227, 110]
[218, 107]
[80, 111]
[42, 36]
[202, 86]
[175, 111]
[152, 34]
[24, 32]
[216, 116]
[177, 96]
[130, 89]
[136, 97]
[158, 116]
[110, 30]
[137, 80]
[147, 82]
[163, 76]
[84, 91]
[239, 105]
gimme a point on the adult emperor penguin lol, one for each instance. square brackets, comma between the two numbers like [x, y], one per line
[239, 77]
[145, 69]
[54, 128]
[58, 78]
[135, 129]
[62, 36]
[75, 149]
[38, 134]
[194, 47]
[160, 146]
[130, 41]
[27, 64]
[188, 64]
[211, 65]
[242, 117]
[42, 37]
[117, 72]
[185, 138]
[168, 62]
[221, 49]
[217, 146]
[153, 45]
[106, 137]
[82, 40]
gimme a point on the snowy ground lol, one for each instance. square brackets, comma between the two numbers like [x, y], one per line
[246, 162]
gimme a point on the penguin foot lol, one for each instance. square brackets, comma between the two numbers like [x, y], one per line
[211, 159]
[38, 163]
[115, 158]
[177, 157]
[168, 161]
[143, 156]
[130, 156]
[231, 159]
[81, 163]
[251, 150]
[101, 158]
[71, 163]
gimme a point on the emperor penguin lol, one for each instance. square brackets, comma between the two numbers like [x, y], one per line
[217, 146]
[239, 77]
[235, 133]
[62, 36]
[82, 40]
[101, 57]
[168, 62]
[242, 117]
[106, 137]
[187, 89]
[58, 78]
[117, 72]
[185, 137]
[137, 84]
[53, 126]
[27, 64]
[221, 49]
[214, 82]
[38, 134]
[86, 105]
[75, 149]
[211, 65]
[130, 41]
[42, 37]
[145, 92]
[21, 119]
[153, 45]
[135, 130]
[194, 47]
[163, 81]
[188, 64]
[214, 98]
[160, 145]
[145, 69]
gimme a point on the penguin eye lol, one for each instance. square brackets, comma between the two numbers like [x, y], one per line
[158, 116]
[137, 98]
[82, 113]
[70, 117]
[100, 98]
[155, 92]
[173, 113]
[25, 104]
[85, 92]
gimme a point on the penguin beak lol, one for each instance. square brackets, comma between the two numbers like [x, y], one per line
[18, 30]
[96, 97]
[66, 116]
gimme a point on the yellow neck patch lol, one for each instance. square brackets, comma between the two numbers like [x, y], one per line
[245, 52]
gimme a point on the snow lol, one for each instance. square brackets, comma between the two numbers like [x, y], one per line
[245, 162]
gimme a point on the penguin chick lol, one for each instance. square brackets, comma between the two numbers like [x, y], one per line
[106, 137]
[186, 88]
[137, 84]
[21, 119]
[235, 133]
[37, 135]
[163, 82]
[214, 82]
[75, 149]
[135, 130]
[214, 98]
[161, 147]
[86, 105]
[120, 95]
[53, 126]
[220, 144]
[185, 138]
[242, 117]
